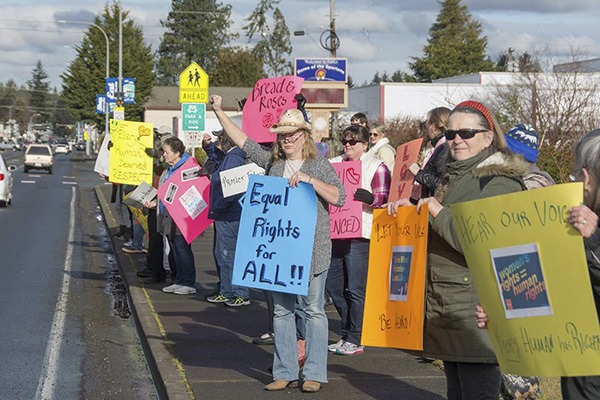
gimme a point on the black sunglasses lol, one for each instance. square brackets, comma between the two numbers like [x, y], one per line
[463, 133]
[352, 142]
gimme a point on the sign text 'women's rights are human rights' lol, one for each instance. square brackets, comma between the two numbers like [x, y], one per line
[529, 268]
[276, 236]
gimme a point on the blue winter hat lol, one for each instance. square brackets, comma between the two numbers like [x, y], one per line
[523, 139]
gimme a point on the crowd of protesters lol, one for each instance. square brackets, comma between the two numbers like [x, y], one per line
[466, 156]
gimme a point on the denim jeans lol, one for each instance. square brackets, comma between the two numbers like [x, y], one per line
[347, 284]
[467, 381]
[225, 241]
[184, 260]
[156, 253]
[285, 358]
[137, 242]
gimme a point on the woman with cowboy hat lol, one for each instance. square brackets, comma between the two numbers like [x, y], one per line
[294, 156]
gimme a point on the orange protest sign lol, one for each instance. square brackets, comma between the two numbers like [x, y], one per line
[402, 179]
[395, 298]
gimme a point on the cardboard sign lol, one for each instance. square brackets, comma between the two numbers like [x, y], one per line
[270, 98]
[402, 179]
[276, 236]
[102, 165]
[395, 298]
[235, 180]
[129, 164]
[140, 195]
[186, 196]
[345, 222]
[531, 275]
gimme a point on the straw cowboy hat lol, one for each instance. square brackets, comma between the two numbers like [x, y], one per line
[290, 121]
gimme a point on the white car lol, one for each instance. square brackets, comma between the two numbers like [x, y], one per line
[62, 148]
[38, 156]
[6, 183]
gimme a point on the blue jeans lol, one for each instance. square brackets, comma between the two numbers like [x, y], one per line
[184, 260]
[347, 284]
[466, 381]
[225, 241]
[285, 358]
[137, 242]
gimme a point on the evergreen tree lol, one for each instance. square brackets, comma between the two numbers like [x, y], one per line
[454, 47]
[85, 76]
[196, 31]
[272, 46]
[228, 71]
[39, 89]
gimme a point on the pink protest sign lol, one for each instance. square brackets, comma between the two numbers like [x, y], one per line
[345, 222]
[185, 195]
[268, 100]
[402, 179]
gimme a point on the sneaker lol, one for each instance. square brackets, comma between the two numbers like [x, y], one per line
[237, 302]
[350, 349]
[131, 250]
[265, 339]
[171, 288]
[185, 290]
[217, 298]
[333, 347]
[128, 242]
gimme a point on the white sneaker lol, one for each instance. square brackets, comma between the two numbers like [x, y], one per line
[171, 289]
[185, 290]
[333, 347]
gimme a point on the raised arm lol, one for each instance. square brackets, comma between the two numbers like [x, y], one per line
[231, 129]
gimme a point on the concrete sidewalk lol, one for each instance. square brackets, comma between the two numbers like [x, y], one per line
[199, 350]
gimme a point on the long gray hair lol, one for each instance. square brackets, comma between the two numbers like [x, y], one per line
[587, 156]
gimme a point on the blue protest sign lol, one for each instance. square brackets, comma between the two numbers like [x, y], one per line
[276, 236]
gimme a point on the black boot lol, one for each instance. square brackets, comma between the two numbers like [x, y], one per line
[121, 232]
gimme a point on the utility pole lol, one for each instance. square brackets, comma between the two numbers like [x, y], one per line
[332, 35]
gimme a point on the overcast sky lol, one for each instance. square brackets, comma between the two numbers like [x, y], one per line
[375, 35]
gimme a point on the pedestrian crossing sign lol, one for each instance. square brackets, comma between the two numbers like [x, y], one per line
[193, 85]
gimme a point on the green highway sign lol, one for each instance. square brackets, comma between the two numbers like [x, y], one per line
[193, 116]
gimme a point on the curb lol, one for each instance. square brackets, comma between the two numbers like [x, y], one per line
[166, 371]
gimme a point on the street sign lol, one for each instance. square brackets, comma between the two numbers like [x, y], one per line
[193, 116]
[193, 85]
[322, 69]
[112, 90]
[119, 113]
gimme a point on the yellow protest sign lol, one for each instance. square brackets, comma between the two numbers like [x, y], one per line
[531, 275]
[129, 164]
[394, 302]
[193, 85]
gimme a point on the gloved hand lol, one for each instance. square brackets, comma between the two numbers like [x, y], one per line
[364, 195]
[109, 145]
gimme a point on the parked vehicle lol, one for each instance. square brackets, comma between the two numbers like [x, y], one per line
[6, 182]
[80, 146]
[38, 156]
[6, 145]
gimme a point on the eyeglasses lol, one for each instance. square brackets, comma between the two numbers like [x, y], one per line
[351, 142]
[463, 133]
[375, 134]
[291, 139]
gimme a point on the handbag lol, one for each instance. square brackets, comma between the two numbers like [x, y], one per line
[515, 387]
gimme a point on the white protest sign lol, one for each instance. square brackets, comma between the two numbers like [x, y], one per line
[140, 195]
[235, 180]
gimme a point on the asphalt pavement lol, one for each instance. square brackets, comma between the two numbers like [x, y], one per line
[199, 350]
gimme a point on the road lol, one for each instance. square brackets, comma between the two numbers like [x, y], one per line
[61, 336]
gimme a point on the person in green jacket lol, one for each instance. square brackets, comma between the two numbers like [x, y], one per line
[479, 166]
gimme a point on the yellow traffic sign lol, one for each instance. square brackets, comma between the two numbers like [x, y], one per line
[193, 85]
